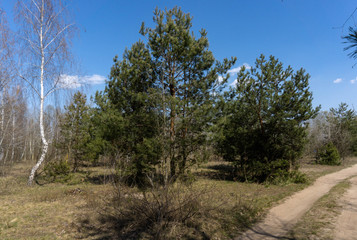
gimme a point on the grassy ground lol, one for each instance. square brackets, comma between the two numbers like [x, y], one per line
[58, 211]
[49, 211]
[314, 171]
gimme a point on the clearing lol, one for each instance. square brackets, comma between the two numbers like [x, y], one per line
[58, 210]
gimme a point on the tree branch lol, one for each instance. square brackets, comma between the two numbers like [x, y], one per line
[59, 33]
[32, 86]
[36, 5]
[344, 24]
[38, 20]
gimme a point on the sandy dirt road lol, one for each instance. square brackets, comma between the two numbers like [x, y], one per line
[346, 226]
[283, 217]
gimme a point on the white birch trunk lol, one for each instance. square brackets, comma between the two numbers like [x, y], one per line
[46, 35]
[44, 143]
[42, 98]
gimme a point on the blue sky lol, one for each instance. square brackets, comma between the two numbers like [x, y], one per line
[301, 33]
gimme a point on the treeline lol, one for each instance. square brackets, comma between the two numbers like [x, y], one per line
[19, 127]
[333, 131]
[167, 106]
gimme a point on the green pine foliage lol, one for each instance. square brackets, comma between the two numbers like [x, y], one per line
[158, 102]
[57, 171]
[351, 40]
[127, 112]
[263, 128]
[105, 127]
[328, 155]
[75, 130]
[342, 129]
[186, 76]
[354, 136]
[163, 100]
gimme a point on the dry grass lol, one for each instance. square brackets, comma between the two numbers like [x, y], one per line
[314, 171]
[42, 212]
[58, 211]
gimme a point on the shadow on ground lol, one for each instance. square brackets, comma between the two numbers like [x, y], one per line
[218, 171]
[107, 227]
[257, 232]
[101, 179]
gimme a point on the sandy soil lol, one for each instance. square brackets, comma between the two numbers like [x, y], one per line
[346, 226]
[282, 218]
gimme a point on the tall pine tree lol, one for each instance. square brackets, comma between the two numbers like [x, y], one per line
[161, 95]
[186, 73]
[263, 131]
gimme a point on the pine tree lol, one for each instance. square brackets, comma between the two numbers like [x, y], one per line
[186, 73]
[74, 130]
[328, 155]
[263, 131]
[162, 95]
[351, 39]
[341, 129]
[130, 98]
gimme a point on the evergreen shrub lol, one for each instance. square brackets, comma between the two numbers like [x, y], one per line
[328, 155]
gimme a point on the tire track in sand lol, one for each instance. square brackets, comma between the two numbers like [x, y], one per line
[283, 217]
[346, 226]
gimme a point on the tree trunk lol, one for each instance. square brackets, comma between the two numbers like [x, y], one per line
[13, 135]
[2, 123]
[42, 128]
[44, 142]
[172, 133]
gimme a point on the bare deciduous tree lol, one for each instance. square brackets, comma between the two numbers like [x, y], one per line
[46, 34]
[6, 51]
[6, 77]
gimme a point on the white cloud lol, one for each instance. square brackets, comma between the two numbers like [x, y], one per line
[75, 81]
[93, 79]
[220, 79]
[234, 71]
[338, 80]
[69, 81]
[234, 83]
[353, 81]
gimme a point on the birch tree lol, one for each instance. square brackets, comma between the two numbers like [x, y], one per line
[46, 34]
